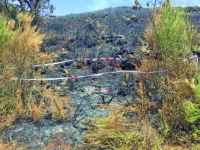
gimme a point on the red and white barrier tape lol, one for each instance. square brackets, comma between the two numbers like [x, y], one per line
[93, 75]
[87, 76]
[92, 59]
[95, 59]
[190, 58]
[79, 59]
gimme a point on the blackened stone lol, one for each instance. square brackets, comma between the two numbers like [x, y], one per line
[127, 65]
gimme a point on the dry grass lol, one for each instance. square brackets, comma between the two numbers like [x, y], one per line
[149, 30]
[20, 49]
[8, 146]
[118, 132]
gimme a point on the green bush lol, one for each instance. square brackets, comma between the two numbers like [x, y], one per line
[170, 34]
[192, 112]
[171, 38]
[192, 109]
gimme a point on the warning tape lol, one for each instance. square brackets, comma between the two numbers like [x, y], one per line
[79, 59]
[95, 59]
[190, 58]
[91, 59]
[87, 76]
[93, 75]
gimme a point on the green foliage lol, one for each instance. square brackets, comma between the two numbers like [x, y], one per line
[110, 133]
[164, 33]
[192, 108]
[118, 132]
[167, 34]
[179, 88]
[164, 125]
[8, 9]
[196, 86]
[136, 5]
[123, 141]
[192, 112]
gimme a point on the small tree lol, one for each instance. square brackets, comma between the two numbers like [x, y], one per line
[136, 4]
[8, 9]
[38, 8]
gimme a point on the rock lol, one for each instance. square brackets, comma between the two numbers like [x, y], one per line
[121, 40]
[127, 65]
[127, 20]
[109, 39]
[134, 18]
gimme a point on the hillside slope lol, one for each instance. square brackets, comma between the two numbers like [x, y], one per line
[109, 32]
[112, 32]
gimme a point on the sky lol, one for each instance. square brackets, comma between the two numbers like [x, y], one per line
[65, 7]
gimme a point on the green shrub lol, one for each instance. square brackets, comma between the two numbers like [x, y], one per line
[192, 109]
[196, 86]
[192, 112]
[170, 34]
[171, 38]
